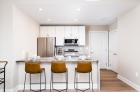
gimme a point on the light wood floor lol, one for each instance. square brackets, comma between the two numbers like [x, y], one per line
[109, 83]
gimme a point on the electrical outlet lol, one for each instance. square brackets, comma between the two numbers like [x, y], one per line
[137, 75]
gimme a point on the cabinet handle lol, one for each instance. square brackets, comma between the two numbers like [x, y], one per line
[115, 53]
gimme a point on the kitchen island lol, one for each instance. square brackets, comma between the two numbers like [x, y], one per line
[71, 64]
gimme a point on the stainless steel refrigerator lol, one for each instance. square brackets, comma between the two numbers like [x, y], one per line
[46, 46]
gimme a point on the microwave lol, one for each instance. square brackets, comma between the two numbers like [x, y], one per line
[71, 41]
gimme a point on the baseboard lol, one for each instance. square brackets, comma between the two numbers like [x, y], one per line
[56, 86]
[10, 90]
[135, 86]
[16, 89]
[108, 68]
[6, 90]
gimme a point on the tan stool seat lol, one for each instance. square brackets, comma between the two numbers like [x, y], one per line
[83, 67]
[34, 68]
[58, 67]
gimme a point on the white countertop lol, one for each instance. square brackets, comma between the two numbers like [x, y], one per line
[50, 59]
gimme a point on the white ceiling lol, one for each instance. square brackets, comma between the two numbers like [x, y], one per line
[64, 13]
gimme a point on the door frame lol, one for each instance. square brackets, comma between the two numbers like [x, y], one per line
[109, 61]
[107, 54]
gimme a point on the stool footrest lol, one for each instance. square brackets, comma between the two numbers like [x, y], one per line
[59, 82]
[83, 90]
[59, 90]
[38, 83]
[82, 82]
[37, 90]
[1, 80]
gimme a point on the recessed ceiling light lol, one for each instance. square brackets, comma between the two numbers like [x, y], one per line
[40, 9]
[75, 19]
[48, 20]
[78, 9]
[92, 0]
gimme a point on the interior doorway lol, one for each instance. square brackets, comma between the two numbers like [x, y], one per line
[113, 50]
[98, 47]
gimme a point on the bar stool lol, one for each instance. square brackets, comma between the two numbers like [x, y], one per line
[2, 70]
[34, 68]
[83, 67]
[58, 67]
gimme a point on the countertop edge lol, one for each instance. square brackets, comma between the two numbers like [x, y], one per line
[45, 61]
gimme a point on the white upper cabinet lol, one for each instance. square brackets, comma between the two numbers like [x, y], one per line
[75, 32]
[59, 35]
[81, 35]
[61, 32]
[51, 31]
[43, 31]
[47, 31]
[67, 31]
[71, 31]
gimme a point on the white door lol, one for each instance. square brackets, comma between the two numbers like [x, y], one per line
[113, 50]
[98, 44]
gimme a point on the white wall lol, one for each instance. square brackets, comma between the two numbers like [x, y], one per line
[18, 32]
[25, 33]
[94, 28]
[6, 39]
[129, 45]
[113, 26]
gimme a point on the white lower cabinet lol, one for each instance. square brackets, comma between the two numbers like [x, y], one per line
[60, 35]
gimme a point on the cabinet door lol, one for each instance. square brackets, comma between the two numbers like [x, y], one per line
[59, 35]
[75, 32]
[81, 35]
[51, 31]
[67, 31]
[43, 31]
